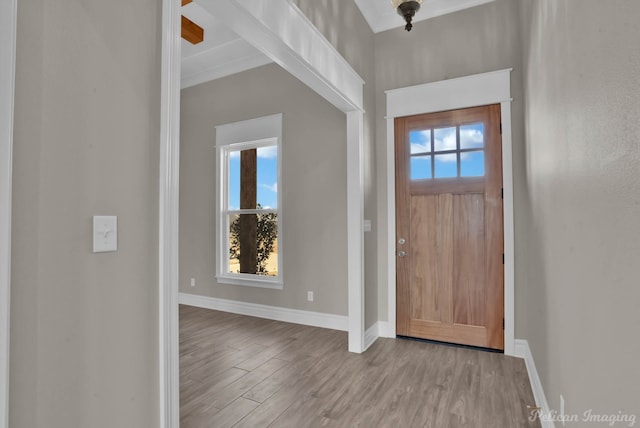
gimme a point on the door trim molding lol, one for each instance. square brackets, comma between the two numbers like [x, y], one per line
[8, 16]
[469, 91]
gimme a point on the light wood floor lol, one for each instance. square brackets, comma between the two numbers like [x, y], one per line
[239, 371]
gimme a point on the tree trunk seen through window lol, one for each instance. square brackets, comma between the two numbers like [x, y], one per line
[248, 200]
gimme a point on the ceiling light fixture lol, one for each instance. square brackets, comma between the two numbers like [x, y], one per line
[407, 9]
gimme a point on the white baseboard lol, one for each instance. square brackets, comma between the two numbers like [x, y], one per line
[385, 329]
[522, 350]
[371, 335]
[296, 316]
[378, 329]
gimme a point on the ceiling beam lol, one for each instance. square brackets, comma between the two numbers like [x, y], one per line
[191, 31]
[284, 34]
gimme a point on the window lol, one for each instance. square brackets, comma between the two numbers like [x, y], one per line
[456, 151]
[249, 220]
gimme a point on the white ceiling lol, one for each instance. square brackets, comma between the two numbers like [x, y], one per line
[223, 52]
[381, 16]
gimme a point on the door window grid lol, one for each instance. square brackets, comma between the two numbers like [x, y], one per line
[447, 152]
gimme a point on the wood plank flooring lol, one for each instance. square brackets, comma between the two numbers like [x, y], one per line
[238, 371]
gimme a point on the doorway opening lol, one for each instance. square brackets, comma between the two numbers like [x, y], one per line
[325, 71]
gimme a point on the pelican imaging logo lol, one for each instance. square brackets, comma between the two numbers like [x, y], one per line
[618, 418]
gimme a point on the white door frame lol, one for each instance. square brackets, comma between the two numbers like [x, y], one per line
[7, 86]
[286, 36]
[470, 91]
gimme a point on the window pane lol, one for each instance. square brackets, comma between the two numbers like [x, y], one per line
[444, 139]
[261, 192]
[420, 167]
[267, 177]
[472, 164]
[472, 136]
[420, 141]
[446, 166]
[253, 244]
[234, 180]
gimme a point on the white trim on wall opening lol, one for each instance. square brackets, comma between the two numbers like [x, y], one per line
[355, 230]
[169, 382]
[470, 91]
[286, 36]
[8, 15]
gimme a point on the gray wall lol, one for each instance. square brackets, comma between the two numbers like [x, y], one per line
[84, 347]
[314, 191]
[84, 326]
[582, 202]
[477, 40]
[342, 23]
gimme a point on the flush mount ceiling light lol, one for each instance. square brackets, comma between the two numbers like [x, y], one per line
[408, 9]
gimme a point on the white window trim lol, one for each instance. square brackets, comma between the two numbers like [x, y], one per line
[253, 133]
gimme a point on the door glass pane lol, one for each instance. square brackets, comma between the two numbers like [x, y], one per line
[472, 136]
[420, 167]
[444, 139]
[446, 166]
[253, 244]
[420, 141]
[472, 164]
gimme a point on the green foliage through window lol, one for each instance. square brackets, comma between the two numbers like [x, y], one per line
[267, 233]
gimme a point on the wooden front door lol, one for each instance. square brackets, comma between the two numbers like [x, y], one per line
[449, 230]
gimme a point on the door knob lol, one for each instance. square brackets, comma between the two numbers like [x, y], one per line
[401, 253]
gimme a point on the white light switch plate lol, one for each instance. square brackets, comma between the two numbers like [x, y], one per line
[105, 233]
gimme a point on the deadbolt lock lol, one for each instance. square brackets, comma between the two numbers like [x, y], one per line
[401, 253]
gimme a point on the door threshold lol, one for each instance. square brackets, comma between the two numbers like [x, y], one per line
[455, 345]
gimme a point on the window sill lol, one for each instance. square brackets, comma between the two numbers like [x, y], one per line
[249, 281]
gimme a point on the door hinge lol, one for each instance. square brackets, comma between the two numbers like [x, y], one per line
[500, 128]
[502, 192]
[502, 258]
[503, 323]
